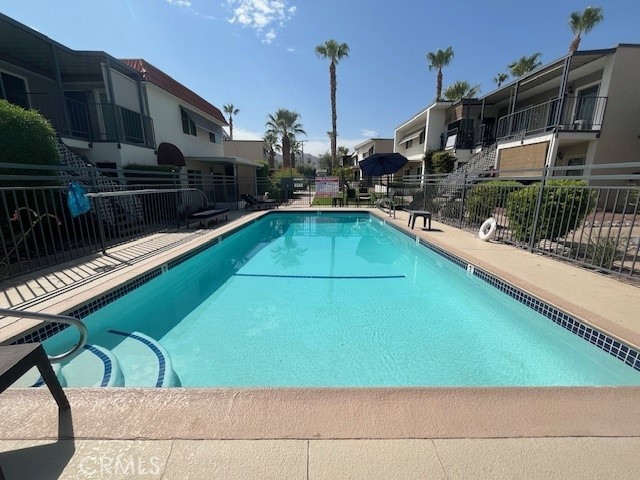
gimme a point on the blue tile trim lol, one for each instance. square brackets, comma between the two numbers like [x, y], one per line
[108, 368]
[614, 347]
[338, 277]
[610, 345]
[162, 365]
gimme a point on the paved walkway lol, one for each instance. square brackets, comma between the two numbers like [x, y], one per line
[136, 440]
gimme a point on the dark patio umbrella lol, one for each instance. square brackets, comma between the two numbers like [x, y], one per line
[380, 164]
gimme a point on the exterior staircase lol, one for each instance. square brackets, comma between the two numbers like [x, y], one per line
[484, 160]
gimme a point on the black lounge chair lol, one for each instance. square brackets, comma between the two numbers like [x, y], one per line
[195, 207]
[205, 216]
[252, 203]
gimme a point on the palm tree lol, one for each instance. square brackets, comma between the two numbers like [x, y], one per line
[437, 60]
[296, 150]
[335, 52]
[285, 124]
[461, 89]
[583, 22]
[500, 78]
[525, 64]
[272, 144]
[231, 110]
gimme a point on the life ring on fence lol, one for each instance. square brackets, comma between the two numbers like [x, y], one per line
[488, 229]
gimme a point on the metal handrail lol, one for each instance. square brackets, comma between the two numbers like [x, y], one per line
[52, 318]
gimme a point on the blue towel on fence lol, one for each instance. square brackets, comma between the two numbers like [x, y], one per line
[77, 199]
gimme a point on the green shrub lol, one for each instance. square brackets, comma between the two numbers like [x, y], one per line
[485, 197]
[442, 162]
[604, 252]
[564, 205]
[26, 137]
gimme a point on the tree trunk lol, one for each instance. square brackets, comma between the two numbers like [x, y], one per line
[334, 116]
[286, 151]
[574, 44]
[439, 85]
[231, 127]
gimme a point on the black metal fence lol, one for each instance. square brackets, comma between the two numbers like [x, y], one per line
[39, 229]
[592, 220]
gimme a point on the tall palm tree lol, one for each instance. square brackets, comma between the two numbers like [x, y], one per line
[437, 60]
[500, 78]
[285, 124]
[583, 22]
[461, 89]
[525, 64]
[335, 52]
[271, 140]
[231, 111]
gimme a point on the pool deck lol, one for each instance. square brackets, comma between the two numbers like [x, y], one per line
[328, 433]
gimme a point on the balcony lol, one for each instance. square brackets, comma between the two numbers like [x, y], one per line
[457, 138]
[578, 113]
[94, 122]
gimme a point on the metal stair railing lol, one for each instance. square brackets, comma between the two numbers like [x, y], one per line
[52, 318]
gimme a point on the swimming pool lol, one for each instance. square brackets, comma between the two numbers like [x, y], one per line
[330, 299]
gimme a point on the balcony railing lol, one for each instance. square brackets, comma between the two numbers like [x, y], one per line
[579, 113]
[457, 138]
[94, 122]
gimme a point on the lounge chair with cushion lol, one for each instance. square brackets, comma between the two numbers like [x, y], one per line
[196, 208]
[252, 203]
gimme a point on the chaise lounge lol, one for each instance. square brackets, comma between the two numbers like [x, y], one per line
[196, 208]
[252, 203]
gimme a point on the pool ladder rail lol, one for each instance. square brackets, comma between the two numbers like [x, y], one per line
[53, 318]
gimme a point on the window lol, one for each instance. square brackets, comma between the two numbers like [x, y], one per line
[188, 127]
[14, 90]
[421, 138]
[408, 144]
[574, 162]
[212, 137]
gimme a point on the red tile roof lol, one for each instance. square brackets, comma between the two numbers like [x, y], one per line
[156, 76]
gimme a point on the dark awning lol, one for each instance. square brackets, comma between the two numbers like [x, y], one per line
[169, 154]
[202, 122]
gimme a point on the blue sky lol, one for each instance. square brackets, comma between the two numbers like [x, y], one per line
[259, 54]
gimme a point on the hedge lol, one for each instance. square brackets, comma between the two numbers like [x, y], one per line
[564, 205]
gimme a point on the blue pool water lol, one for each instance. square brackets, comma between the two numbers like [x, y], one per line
[344, 300]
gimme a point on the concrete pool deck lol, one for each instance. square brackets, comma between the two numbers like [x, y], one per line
[341, 433]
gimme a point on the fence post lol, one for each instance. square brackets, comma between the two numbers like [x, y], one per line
[464, 194]
[536, 213]
[99, 210]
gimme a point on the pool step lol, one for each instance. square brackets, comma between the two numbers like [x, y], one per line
[144, 362]
[33, 378]
[94, 366]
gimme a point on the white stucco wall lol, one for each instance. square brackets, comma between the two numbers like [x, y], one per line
[435, 127]
[164, 109]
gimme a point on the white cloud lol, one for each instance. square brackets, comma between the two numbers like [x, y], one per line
[242, 134]
[318, 147]
[291, 49]
[269, 36]
[260, 15]
[181, 3]
[370, 133]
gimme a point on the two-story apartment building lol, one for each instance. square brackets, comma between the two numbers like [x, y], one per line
[418, 135]
[582, 109]
[95, 103]
[366, 149]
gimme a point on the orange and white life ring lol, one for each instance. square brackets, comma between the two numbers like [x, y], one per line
[488, 229]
